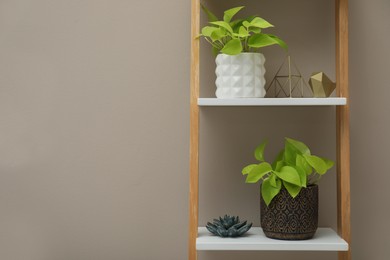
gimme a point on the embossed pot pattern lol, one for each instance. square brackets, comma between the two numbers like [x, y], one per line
[290, 218]
[240, 76]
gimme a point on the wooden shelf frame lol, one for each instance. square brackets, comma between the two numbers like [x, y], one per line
[342, 129]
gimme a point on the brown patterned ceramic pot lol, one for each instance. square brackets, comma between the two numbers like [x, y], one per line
[290, 218]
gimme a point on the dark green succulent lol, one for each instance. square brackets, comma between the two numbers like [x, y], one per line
[228, 226]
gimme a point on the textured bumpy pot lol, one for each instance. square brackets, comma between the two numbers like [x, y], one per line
[240, 76]
[290, 218]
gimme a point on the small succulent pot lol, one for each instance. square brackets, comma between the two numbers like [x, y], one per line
[240, 76]
[288, 218]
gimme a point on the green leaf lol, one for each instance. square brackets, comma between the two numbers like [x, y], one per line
[301, 162]
[279, 157]
[208, 30]
[246, 24]
[260, 23]
[301, 147]
[228, 14]
[215, 51]
[254, 30]
[259, 151]
[279, 165]
[268, 192]
[289, 174]
[317, 163]
[260, 40]
[290, 153]
[302, 175]
[233, 47]
[292, 189]
[293, 148]
[258, 172]
[329, 163]
[211, 17]
[275, 181]
[218, 34]
[224, 25]
[242, 32]
[279, 41]
[248, 168]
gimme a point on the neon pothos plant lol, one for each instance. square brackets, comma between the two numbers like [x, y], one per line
[232, 37]
[294, 168]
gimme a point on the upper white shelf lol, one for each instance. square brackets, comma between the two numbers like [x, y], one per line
[325, 239]
[331, 101]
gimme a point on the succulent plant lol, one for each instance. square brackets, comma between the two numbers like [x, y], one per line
[228, 226]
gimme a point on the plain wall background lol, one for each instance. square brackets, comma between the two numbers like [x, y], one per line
[94, 127]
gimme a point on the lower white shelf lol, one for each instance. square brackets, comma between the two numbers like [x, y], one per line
[325, 239]
[331, 101]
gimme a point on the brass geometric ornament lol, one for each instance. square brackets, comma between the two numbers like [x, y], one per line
[288, 81]
[321, 85]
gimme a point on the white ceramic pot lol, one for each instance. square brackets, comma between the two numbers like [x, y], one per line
[240, 76]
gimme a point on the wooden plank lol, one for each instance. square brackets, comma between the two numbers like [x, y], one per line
[194, 131]
[343, 136]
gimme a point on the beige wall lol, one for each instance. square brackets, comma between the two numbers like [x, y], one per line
[94, 120]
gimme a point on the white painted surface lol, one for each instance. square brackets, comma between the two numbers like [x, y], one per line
[240, 76]
[272, 102]
[325, 239]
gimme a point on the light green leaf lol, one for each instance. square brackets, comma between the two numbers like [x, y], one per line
[208, 30]
[279, 41]
[248, 168]
[236, 24]
[329, 163]
[215, 51]
[289, 174]
[258, 172]
[290, 153]
[279, 165]
[246, 24]
[218, 34]
[301, 162]
[275, 181]
[211, 17]
[293, 148]
[302, 175]
[268, 192]
[260, 23]
[224, 25]
[254, 30]
[292, 189]
[279, 157]
[260, 40]
[317, 163]
[242, 32]
[228, 14]
[301, 147]
[233, 47]
[259, 151]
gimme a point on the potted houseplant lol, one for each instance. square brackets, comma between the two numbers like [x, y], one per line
[240, 68]
[289, 191]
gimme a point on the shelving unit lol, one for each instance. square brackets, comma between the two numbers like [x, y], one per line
[325, 239]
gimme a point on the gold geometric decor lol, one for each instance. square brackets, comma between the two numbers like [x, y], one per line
[321, 85]
[288, 81]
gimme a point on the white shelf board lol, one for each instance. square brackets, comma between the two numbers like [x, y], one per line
[325, 239]
[331, 101]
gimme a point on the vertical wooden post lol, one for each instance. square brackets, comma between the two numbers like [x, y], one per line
[342, 118]
[194, 131]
